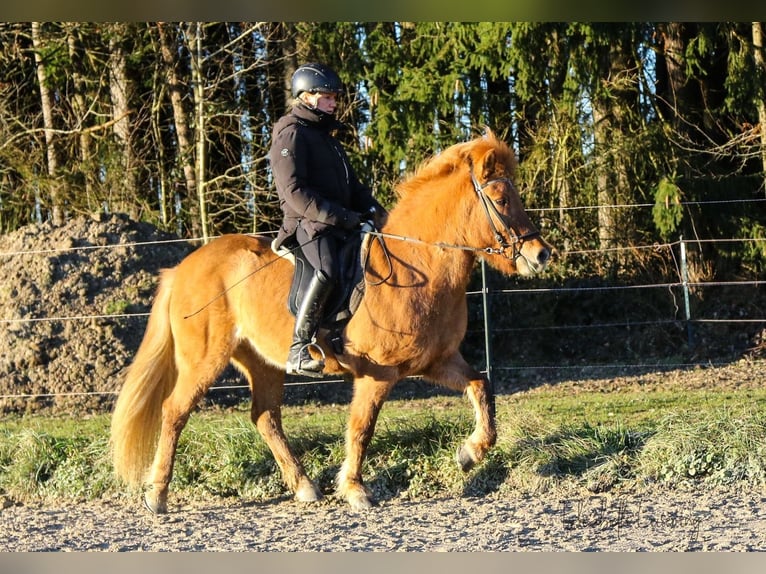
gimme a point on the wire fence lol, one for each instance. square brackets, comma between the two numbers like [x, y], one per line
[678, 315]
[498, 343]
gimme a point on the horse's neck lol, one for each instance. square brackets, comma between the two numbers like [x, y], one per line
[431, 263]
[431, 219]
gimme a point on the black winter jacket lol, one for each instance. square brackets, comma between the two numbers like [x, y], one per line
[316, 185]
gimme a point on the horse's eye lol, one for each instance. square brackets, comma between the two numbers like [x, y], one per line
[501, 202]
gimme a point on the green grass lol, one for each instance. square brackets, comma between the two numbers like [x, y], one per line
[548, 439]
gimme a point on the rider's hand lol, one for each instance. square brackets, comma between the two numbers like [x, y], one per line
[367, 222]
[366, 226]
[351, 220]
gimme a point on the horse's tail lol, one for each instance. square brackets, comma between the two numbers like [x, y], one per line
[138, 411]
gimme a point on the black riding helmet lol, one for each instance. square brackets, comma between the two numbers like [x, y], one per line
[315, 78]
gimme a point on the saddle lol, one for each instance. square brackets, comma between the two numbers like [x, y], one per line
[347, 294]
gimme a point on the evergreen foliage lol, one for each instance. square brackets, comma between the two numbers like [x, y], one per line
[600, 114]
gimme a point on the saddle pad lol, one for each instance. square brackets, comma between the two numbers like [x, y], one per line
[347, 294]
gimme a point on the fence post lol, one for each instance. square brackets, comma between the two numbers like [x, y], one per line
[487, 326]
[685, 285]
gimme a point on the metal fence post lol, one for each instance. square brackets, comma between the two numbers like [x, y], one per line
[487, 326]
[685, 285]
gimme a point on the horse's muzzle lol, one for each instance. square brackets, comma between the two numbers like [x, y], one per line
[536, 254]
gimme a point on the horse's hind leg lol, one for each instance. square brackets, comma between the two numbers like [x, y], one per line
[192, 383]
[267, 388]
[456, 374]
[369, 396]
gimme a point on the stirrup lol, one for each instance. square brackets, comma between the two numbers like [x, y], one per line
[296, 369]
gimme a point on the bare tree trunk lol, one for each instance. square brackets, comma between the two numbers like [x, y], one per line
[46, 102]
[673, 84]
[195, 45]
[281, 40]
[611, 118]
[760, 65]
[120, 90]
[80, 108]
[184, 135]
[162, 172]
[606, 191]
[682, 103]
[560, 181]
[290, 58]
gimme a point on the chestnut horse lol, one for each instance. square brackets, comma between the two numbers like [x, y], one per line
[226, 301]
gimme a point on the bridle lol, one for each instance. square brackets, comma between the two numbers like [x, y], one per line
[514, 240]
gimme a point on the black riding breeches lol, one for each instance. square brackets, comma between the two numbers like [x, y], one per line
[322, 252]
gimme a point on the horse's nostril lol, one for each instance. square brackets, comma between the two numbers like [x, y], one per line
[543, 256]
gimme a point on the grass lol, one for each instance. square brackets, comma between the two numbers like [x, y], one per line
[548, 439]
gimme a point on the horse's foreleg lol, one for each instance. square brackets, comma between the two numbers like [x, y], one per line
[475, 448]
[369, 396]
[456, 374]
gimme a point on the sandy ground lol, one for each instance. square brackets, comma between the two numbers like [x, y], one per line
[654, 520]
[717, 520]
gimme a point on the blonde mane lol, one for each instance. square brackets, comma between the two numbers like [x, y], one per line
[455, 157]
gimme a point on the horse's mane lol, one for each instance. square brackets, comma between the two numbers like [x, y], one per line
[455, 157]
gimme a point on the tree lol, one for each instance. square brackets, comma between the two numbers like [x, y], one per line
[760, 97]
[79, 103]
[548, 124]
[122, 95]
[707, 94]
[42, 50]
[613, 94]
[20, 162]
[178, 88]
[171, 122]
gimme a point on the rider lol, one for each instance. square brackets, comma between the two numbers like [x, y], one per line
[322, 200]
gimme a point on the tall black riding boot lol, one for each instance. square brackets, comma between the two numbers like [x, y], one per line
[300, 361]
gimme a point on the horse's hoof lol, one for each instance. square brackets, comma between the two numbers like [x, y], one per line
[465, 459]
[155, 505]
[360, 502]
[308, 492]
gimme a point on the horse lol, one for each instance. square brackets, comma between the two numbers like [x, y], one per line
[226, 302]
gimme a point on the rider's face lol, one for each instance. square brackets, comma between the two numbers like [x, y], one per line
[323, 101]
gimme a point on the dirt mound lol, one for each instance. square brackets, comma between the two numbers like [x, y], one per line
[74, 303]
[58, 284]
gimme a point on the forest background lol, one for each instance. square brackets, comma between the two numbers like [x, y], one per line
[171, 122]
[628, 134]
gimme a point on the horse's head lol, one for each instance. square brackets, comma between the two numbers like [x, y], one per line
[500, 223]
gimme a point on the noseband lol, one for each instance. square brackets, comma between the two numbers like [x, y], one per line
[514, 240]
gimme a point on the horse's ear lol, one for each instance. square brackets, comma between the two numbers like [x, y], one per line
[488, 165]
